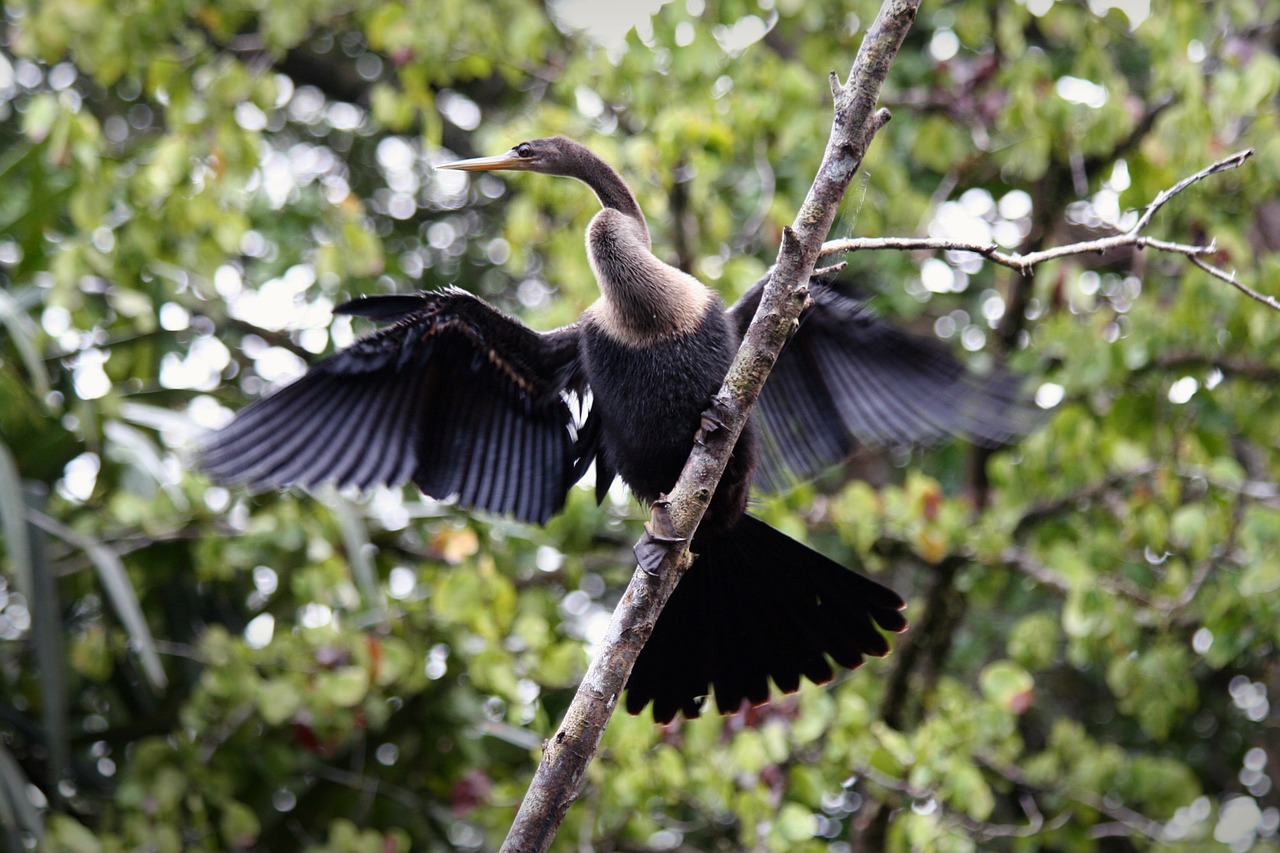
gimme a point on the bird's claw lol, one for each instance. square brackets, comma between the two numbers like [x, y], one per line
[660, 534]
[709, 424]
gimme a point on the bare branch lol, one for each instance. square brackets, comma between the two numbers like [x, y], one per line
[1133, 238]
[1265, 492]
[1229, 366]
[1022, 561]
[1165, 607]
[1017, 558]
[980, 830]
[1234, 161]
[1014, 260]
[673, 521]
[1121, 815]
[1230, 278]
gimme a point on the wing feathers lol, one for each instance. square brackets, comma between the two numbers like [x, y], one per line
[847, 376]
[456, 396]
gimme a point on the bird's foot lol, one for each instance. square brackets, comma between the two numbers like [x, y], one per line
[711, 421]
[660, 535]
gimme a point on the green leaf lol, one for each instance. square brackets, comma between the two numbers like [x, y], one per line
[1189, 525]
[68, 835]
[893, 754]
[239, 824]
[795, 823]
[169, 164]
[391, 108]
[1033, 642]
[23, 334]
[41, 114]
[16, 811]
[969, 791]
[120, 592]
[749, 752]
[278, 701]
[345, 687]
[14, 523]
[1008, 685]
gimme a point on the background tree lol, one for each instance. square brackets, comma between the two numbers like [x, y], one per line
[189, 188]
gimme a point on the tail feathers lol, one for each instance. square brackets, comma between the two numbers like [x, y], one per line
[758, 606]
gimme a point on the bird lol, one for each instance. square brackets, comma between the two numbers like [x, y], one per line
[471, 404]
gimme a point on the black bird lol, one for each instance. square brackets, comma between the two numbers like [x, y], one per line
[469, 403]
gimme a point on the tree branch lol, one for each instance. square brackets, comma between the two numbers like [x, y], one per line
[1228, 366]
[1015, 260]
[1121, 815]
[1161, 607]
[979, 830]
[673, 519]
[1230, 278]
[1133, 238]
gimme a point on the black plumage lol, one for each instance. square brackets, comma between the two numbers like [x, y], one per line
[455, 396]
[469, 403]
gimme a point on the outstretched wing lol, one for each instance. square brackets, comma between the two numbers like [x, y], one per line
[847, 376]
[456, 396]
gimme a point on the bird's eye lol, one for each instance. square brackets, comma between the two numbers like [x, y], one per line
[524, 149]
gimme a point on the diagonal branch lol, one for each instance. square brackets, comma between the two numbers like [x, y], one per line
[674, 519]
[979, 830]
[1230, 278]
[1122, 817]
[1133, 238]
[1234, 161]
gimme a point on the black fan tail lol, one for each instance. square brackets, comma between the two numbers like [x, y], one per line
[757, 607]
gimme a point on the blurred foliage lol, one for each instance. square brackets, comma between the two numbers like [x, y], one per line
[190, 187]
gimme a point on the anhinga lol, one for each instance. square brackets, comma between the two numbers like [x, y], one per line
[469, 403]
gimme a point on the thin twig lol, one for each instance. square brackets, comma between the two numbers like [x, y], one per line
[1022, 561]
[1133, 821]
[1229, 366]
[1264, 492]
[1246, 493]
[1161, 609]
[1230, 278]
[1014, 260]
[1133, 238]
[980, 830]
[1234, 161]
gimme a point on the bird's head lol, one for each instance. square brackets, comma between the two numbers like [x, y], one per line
[553, 155]
[556, 155]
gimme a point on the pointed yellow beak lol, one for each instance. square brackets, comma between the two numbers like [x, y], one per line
[511, 160]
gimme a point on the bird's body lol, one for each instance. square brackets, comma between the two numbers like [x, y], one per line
[650, 399]
[655, 348]
[470, 403]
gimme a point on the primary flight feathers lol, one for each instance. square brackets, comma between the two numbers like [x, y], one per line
[455, 396]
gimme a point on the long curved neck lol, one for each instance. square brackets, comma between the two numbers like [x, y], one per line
[608, 186]
[643, 299]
